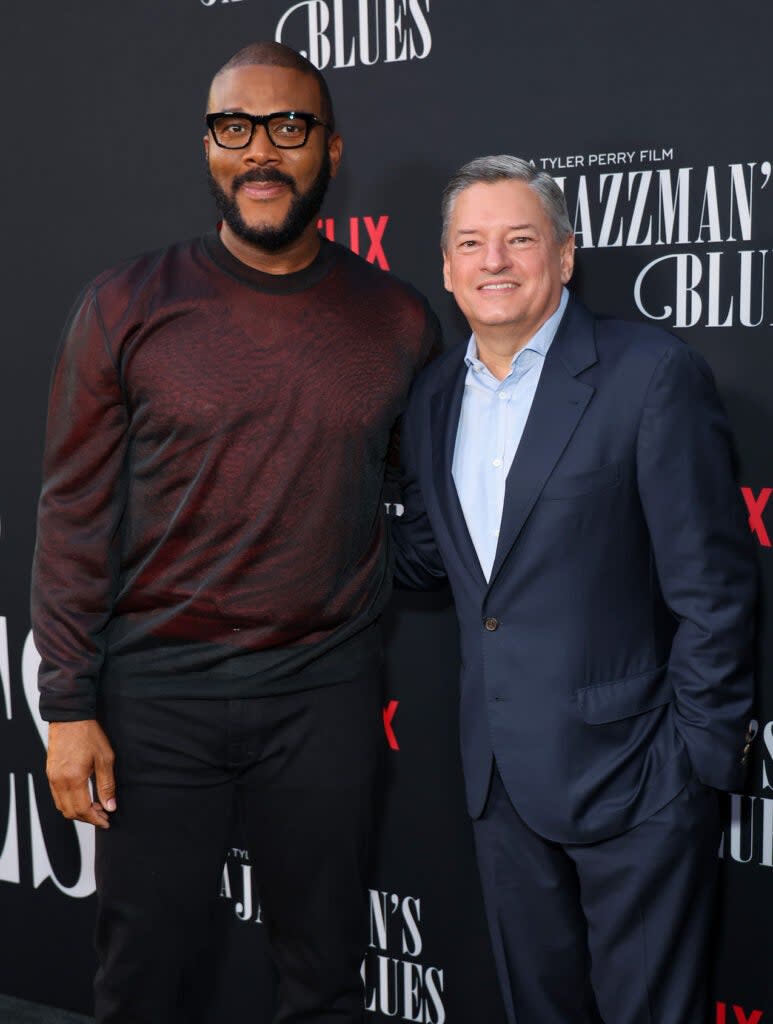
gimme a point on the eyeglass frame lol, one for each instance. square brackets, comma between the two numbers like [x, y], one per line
[310, 120]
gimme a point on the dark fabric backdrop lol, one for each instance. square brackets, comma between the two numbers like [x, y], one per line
[655, 116]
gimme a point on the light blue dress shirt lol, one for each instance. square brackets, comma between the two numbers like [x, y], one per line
[491, 424]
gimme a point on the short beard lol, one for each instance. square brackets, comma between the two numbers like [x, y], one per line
[303, 209]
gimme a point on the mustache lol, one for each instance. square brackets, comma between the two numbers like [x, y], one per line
[263, 175]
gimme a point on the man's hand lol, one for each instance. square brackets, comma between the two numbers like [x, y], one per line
[76, 752]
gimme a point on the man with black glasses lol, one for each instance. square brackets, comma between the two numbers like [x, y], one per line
[211, 562]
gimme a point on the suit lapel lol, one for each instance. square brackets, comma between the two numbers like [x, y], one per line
[558, 406]
[445, 409]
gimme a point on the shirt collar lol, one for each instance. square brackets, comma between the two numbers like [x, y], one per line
[539, 342]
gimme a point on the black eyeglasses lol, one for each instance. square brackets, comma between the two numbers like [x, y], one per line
[287, 129]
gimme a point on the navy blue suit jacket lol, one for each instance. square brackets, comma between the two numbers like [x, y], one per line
[608, 657]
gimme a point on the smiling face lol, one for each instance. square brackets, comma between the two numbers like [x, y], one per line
[269, 197]
[503, 262]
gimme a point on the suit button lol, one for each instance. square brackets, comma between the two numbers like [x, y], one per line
[491, 624]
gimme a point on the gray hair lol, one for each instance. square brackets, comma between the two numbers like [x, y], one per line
[491, 169]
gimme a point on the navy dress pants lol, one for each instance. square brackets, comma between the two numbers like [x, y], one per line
[616, 931]
[302, 771]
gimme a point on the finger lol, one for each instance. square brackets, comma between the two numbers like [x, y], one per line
[104, 780]
[97, 817]
[75, 804]
[94, 814]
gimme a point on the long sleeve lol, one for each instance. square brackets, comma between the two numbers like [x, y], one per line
[211, 519]
[432, 346]
[703, 557]
[75, 564]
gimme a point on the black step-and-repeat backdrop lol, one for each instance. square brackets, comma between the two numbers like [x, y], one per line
[654, 117]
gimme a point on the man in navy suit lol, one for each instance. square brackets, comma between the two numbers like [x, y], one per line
[572, 478]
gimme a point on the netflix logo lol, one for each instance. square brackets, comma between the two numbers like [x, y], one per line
[756, 503]
[363, 235]
[729, 1013]
[388, 715]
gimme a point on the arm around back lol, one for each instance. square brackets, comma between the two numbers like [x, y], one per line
[417, 560]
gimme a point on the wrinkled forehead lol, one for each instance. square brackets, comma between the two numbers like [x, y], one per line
[262, 89]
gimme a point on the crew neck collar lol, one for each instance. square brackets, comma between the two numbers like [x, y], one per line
[276, 284]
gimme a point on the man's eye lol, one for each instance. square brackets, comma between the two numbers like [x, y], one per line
[233, 128]
[288, 128]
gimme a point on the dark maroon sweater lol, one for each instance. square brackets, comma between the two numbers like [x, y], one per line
[211, 522]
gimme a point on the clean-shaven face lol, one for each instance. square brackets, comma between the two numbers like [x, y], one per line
[502, 261]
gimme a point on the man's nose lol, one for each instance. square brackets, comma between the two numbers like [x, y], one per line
[261, 149]
[496, 256]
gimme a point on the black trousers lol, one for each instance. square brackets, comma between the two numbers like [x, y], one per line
[302, 770]
[614, 932]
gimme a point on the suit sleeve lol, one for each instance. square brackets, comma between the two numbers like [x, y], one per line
[418, 564]
[704, 558]
[75, 566]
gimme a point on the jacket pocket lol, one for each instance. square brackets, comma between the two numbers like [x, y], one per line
[623, 698]
[574, 485]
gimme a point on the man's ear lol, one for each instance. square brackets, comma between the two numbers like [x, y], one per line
[447, 273]
[335, 146]
[567, 260]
